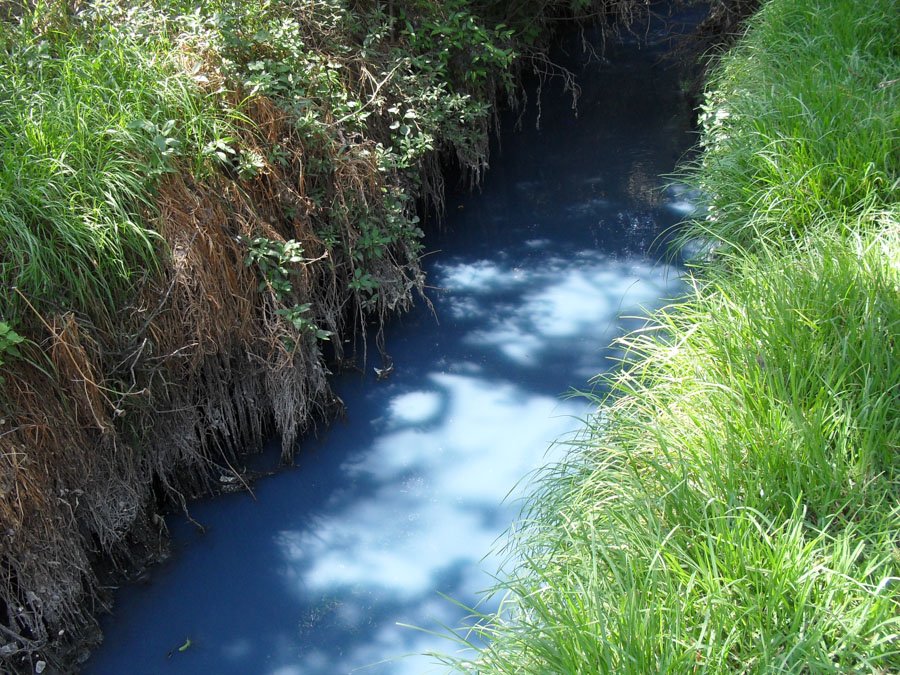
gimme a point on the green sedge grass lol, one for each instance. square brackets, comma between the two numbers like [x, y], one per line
[91, 120]
[801, 122]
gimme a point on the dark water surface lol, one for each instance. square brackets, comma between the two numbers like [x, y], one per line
[402, 501]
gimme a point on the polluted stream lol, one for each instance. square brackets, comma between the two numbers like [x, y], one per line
[532, 277]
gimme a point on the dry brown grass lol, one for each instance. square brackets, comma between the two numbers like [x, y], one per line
[69, 488]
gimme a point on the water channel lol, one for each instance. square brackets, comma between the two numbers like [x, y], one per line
[537, 273]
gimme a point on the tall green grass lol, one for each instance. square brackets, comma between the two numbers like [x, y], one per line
[91, 118]
[802, 121]
[734, 505]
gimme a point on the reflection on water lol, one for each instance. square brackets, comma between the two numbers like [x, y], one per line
[536, 275]
[536, 317]
[433, 479]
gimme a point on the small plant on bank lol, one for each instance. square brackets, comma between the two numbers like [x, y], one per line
[295, 316]
[274, 259]
[9, 343]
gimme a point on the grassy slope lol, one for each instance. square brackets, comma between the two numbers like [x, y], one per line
[734, 505]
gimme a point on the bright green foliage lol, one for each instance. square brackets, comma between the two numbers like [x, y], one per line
[275, 260]
[454, 44]
[802, 122]
[302, 324]
[87, 126]
[9, 342]
[732, 507]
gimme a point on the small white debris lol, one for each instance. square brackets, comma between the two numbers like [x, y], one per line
[39, 666]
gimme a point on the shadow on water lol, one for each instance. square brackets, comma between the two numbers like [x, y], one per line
[534, 276]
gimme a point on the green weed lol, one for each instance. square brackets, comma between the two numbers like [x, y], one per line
[91, 119]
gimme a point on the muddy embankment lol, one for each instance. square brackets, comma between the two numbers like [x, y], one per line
[201, 210]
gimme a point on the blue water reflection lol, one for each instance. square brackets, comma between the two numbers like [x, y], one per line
[536, 275]
[564, 308]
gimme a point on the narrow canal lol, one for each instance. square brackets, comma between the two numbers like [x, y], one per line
[534, 277]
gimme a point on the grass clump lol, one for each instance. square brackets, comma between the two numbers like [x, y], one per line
[733, 506]
[802, 122]
[91, 119]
